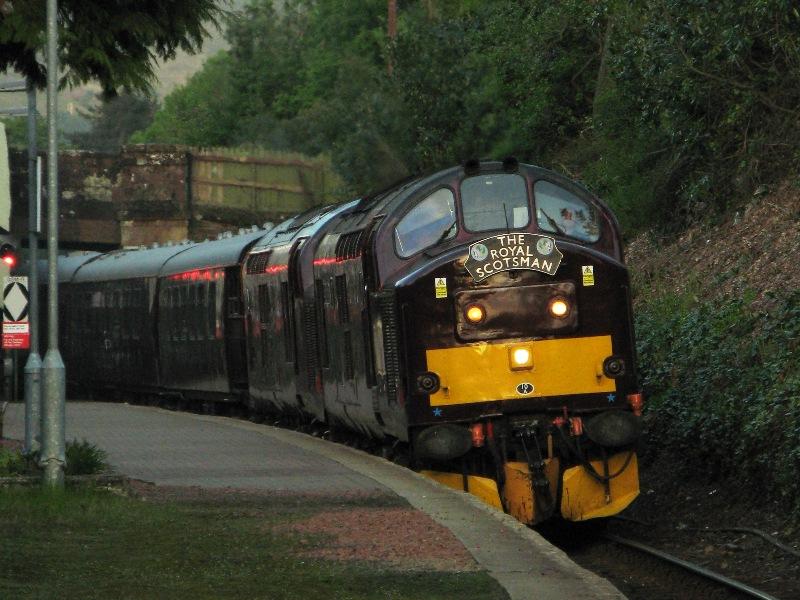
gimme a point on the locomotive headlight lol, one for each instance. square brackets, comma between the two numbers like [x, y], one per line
[520, 357]
[475, 313]
[559, 308]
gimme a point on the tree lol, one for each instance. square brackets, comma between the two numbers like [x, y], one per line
[201, 112]
[113, 42]
[17, 132]
[113, 121]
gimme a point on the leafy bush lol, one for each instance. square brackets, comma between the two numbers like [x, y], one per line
[13, 462]
[723, 383]
[84, 458]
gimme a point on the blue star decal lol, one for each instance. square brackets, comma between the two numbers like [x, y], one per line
[611, 398]
[437, 412]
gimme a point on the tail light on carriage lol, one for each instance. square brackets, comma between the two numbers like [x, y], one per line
[637, 403]
[478, 435]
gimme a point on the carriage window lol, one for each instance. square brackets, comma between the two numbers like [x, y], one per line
[429, 222]
[494, 202]
[562, 212]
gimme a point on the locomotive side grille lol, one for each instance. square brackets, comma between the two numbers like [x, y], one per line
[348, 245]
[288, 335]
[257, 263]
[341, 299]
[311, 343]
[391, 353]
[349, 366]
[322, 340]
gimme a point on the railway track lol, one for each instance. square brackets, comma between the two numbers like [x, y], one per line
[737, 587]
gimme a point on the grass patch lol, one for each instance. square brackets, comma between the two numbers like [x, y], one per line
[84, 543]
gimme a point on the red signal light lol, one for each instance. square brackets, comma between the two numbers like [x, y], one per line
[8, 254]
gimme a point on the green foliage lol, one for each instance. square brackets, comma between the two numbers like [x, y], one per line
[723, 383]
[113, 42]
[113, 121]
[13, 462]
[669, 109]
[17, 132]
[203, 112]
[719, 85]
[84, 458]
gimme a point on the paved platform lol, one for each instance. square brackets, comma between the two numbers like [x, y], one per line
[186, 449]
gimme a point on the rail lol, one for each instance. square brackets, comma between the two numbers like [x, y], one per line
[694, 568]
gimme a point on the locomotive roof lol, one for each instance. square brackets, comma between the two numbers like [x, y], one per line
[304, 225]
[208, 255]
[67, 265]
[394, 197]
[128, 264]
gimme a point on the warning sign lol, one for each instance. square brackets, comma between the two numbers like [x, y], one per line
[440, 283]
[16, 328]
[588, 275]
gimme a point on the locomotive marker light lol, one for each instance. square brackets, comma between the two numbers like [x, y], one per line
[559, 308]
[475, 314]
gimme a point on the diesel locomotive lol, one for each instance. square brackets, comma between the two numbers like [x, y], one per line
[479, 317]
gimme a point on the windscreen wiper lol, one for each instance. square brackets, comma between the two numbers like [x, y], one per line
[445, 233]
[553, 223]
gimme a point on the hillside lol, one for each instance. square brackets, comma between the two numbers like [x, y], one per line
[753, 251]
[717, 313]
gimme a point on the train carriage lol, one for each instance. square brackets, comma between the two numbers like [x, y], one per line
[109, 339]
[200, 321]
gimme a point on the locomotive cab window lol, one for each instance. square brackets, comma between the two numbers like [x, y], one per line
[498, 201]
[429, 222]
[562, 212]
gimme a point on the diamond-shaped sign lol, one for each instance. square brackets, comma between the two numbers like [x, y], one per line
[15, 302]
[16, 334]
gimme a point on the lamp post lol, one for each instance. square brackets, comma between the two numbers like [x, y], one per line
[33, 367]
[53, 373]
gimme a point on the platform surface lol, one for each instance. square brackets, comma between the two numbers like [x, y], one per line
[170, 448]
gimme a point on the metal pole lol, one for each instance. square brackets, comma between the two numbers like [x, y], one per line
[33, 367]
[53, 375]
